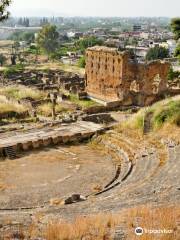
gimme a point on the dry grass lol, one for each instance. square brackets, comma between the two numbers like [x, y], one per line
[10, 107]
[153, 219]
[92, 228]
[7, 106]
[105, 226]
[102, 226]
[46, 109]
[163, 112]
[20, 92]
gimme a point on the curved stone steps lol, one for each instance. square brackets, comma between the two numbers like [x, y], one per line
[136, 179]
[124, 167]
[141, 175]
[161, 182]
[126, 164]
[151, 189]
[167, 172]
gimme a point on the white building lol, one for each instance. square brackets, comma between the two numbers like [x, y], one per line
[171, 45]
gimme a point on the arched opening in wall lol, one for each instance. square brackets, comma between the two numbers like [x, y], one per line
[105, 67]
[119, 60]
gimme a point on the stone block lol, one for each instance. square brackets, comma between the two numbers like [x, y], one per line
[27, 145]
[47, 141]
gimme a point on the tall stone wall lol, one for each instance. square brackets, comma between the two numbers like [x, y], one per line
[112, 76]
[104, 73]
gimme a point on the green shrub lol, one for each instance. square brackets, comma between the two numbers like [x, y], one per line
[167, 113]
[82, 103]
[173, 74]
[13, 70]
[82, 62]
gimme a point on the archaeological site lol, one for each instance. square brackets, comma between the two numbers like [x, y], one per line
[89, 124]
[114, 77]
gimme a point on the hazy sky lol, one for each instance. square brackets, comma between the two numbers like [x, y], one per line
[119, 8]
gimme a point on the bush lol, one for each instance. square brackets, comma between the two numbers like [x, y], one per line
[168, 113]
[172, 75]
[82, 62]
[87, 42]
[157, 53]
[82, 103]
[13, 70]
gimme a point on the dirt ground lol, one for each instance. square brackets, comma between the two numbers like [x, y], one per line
[34, 179]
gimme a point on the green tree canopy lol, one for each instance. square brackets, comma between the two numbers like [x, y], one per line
[87, 42]
[48, 38]
[3, 9]
[157, 53]
[175, 26]
[23, 36]
[177, 51]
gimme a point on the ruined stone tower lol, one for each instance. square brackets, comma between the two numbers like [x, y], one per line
[113, 77]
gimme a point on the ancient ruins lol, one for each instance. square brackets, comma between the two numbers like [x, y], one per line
[114, 77]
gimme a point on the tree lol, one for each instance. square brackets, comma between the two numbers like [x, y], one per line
[157, 53]
[177, 51]
[22, 36]
[87, 42]
[175, 26]
[2, 59]
[28, 37]
[47, 39]
[3, 9]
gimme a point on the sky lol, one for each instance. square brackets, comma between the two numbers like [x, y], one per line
[108, 8]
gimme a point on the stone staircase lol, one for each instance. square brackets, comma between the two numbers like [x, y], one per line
[10, 152]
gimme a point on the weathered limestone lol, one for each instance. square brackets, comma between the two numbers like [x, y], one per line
[57, 139]
[47, 141]
[27, 145]
[64, 134]
[111, 76]
[37, 143]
